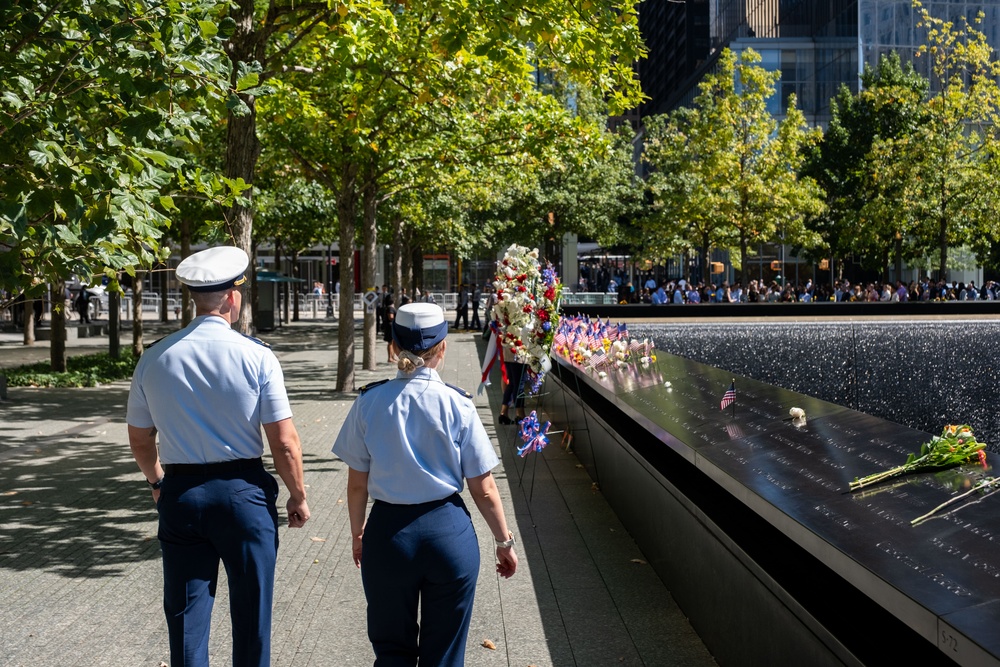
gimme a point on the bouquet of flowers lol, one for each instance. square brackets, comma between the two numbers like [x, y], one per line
[526, 312]
[533, 434]
[601, 345]
[956, 445]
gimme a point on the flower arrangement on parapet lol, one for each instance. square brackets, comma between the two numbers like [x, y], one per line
[526, 313]
[956, 445]
[601, 346]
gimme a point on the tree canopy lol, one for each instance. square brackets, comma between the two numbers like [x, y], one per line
[100, 118]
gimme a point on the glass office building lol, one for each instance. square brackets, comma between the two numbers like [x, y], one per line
[816, 45]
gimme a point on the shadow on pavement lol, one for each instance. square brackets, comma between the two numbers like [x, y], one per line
[75, 508]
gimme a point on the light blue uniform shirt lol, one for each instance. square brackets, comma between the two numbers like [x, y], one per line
[207, 389]
[416, 437]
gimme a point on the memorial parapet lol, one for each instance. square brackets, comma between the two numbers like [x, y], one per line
[748, 519]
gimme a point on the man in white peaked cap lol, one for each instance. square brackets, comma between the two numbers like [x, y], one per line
[206, 390]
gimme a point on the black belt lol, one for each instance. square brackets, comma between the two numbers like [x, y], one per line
[207, 469]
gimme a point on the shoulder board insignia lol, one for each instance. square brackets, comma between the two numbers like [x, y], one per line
[256, 340]
[372, 385]
[460, 390]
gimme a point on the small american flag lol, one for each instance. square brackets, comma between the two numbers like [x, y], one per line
[560, 337]
[597, 360]
[728, 397]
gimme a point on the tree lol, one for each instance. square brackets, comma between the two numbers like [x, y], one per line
[948, 163]
[584, 183]
[102, 100]
[862, 190]
[390, 87]
[726, 171]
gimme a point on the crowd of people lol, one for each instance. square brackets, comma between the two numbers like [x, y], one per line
[682, 291]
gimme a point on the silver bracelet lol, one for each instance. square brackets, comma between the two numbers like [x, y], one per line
[505, 544]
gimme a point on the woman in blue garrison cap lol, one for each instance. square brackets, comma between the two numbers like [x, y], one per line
[410, 443]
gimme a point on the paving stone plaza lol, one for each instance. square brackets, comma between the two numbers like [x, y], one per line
[80, 572]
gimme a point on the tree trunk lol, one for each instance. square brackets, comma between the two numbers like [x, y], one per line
[137, 314]
[943, 243]
[242, 144]
[29, 322]
[254, 287]
[369, 257]
[114, 324]
[406, 265]
[744, 253]
[899, 256]
[164, 314]
[57, 352]
[283, 311]
[706, 267]
[346, 211]
[185, 294]
[295, 290]
[416, 268]
[398, 248]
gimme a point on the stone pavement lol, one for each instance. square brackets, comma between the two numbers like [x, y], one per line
[80, 577]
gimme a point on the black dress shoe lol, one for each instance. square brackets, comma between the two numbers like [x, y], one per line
[504, 419]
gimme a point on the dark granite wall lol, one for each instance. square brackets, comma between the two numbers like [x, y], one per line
[920, 374]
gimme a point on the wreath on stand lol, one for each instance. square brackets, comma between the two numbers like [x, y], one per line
[525, 316]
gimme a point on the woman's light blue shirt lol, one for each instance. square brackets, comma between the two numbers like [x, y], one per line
[416, 437]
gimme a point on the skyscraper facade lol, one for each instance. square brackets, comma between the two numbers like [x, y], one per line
[817, 45]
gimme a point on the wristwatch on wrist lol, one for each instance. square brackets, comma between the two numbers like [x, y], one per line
[505, 543]
[155, 486]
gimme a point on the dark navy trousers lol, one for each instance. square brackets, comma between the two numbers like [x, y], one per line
[424, 556]
[203, 520]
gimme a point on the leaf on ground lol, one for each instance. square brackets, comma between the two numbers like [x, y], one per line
[594, 487]
[639, 561]
[318, 539]
[25, 503]
[490, 645]
[9, 493]
[340, 501]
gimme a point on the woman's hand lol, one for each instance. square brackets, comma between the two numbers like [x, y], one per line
[356, 550]
[507, 564]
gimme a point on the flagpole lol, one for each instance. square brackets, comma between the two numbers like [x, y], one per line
[733, 415]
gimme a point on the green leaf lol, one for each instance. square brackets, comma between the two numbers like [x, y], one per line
[237, 106]
[167, 203]
[248, 80]
[208, 29]
[12, 99]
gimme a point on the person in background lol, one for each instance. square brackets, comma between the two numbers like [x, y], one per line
[462, 307]
[207, 391]
[477, 294]
[388, 316]
[82, 304]
[411, 443]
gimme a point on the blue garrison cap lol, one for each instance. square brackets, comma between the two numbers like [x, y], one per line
[419, 326]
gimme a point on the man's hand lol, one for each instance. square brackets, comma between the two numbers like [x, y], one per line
[298, 512]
